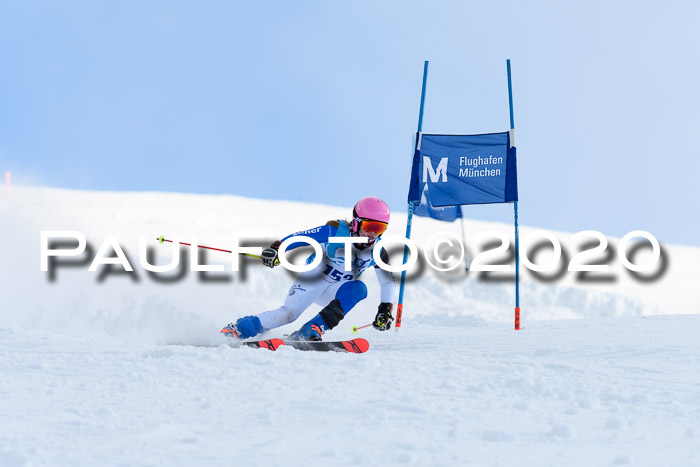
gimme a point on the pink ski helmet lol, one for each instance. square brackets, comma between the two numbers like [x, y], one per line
[370, 209]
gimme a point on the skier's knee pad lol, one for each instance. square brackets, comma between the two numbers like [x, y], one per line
[350, 294]
[332, 314]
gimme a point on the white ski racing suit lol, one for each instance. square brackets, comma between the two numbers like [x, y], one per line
[329, 280]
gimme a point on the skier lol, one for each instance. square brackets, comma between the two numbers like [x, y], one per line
[328, 284]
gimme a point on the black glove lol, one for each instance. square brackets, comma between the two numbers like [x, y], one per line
[269, 255]
[383, 320]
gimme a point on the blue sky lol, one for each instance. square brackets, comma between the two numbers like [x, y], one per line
[318, 101]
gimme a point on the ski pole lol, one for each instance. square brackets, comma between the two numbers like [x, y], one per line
[356, 329]
[161, 239]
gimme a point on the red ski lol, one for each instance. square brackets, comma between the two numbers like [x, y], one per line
[270, 344]
[358, 345]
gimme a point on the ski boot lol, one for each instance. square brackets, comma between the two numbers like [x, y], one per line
[245, 327]
[326, 319]
[231, 331]
[308, 332]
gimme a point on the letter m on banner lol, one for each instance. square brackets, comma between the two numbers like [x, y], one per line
[435, 174]
[464, 169]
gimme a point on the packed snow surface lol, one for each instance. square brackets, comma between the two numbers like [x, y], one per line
[116, 368]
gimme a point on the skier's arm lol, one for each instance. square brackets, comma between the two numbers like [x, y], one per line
[320, 234]
[387, 283]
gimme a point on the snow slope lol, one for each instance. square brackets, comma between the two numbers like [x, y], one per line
[127, 369]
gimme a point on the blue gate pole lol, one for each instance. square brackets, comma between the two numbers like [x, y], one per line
[399, 308]
[464, 239]
[515, 211]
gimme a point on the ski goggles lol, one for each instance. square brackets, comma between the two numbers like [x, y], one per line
[373, 226]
